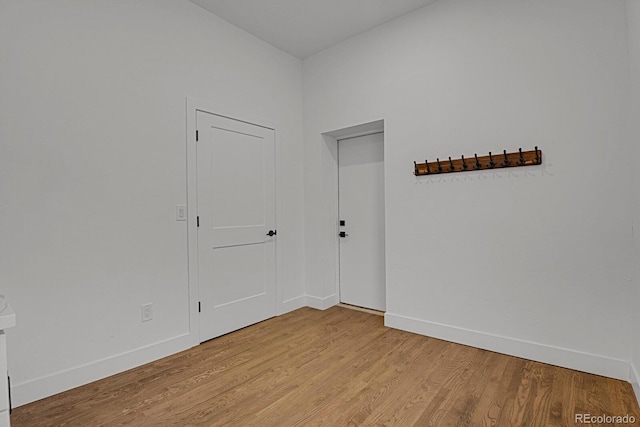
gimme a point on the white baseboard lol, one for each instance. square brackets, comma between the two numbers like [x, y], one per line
[292, 304]
[634, 379]
[591, 363]
[39, 388]
[322, 303]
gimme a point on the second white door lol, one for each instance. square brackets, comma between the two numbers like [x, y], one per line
[361, 206]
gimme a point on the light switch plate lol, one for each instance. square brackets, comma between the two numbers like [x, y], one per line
[147, 312]
[181, 212]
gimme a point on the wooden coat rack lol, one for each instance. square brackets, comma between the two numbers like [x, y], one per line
[463, 164]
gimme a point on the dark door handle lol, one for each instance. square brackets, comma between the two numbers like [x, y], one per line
[272, 233]
[343, 234]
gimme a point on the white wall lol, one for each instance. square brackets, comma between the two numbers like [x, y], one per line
[93, 163]
[633, 27]
[532, 261]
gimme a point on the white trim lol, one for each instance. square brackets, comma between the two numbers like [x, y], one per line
[48, 385]
[353, 131]
[291, 305]
[192, 212]
[39, 388]
[322, 303]
[58, 382]
[229, 112]
[567, 358]
[634, 379]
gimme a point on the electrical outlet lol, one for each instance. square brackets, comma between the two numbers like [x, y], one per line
[147, 312]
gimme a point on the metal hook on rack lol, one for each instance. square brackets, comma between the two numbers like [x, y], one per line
[451, 168]
[521, 158]
[478, 166]
[427, 164]
[506, 160]
[492, 164]
[538, 160]
[464, 164]
[439, 165]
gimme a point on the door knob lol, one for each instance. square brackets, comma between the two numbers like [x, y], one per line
[272, 233]
[343, 234]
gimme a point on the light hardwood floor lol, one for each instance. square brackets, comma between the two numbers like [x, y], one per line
[336, 367]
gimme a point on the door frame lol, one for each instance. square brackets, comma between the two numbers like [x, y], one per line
[194, 105]
[331, 141]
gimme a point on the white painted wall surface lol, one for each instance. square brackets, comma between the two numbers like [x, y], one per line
[531, 261]
[93, 163]
[633, 27]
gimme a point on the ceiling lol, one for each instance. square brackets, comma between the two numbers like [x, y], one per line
[305, 27]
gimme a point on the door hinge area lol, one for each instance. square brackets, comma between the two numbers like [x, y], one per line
[196, 135]
[199, 307]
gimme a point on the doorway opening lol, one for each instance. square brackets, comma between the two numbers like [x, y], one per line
[361, 272]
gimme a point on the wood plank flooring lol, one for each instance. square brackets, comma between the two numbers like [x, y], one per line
[337, 367]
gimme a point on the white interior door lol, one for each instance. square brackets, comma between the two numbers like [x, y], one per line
[236, 212]
[361, 205]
